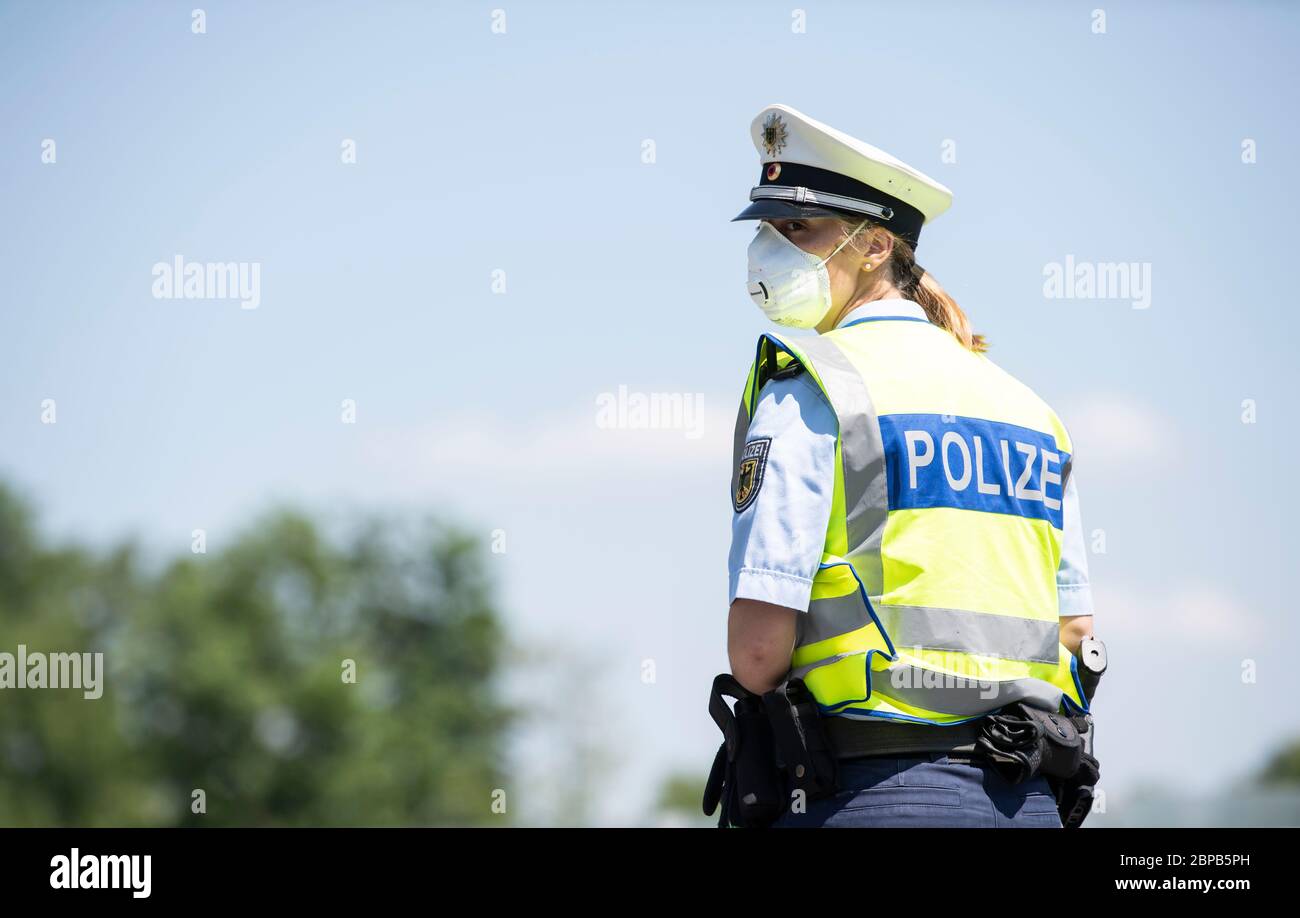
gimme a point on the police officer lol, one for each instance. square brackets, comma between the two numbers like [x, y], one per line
[906, 537]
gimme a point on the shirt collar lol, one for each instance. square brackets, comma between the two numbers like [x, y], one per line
[894, 307]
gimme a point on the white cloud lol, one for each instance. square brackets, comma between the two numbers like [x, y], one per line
[555, 446]
[1119, 432]
[1195, 614]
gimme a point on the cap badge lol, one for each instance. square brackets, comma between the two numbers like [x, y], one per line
[773, 170]
[773, 134]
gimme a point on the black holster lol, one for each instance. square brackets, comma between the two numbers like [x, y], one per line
[1022, 742]
[807, 758]
[773, 745]
[744, 778]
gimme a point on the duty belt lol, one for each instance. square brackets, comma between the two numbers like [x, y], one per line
[857, 738]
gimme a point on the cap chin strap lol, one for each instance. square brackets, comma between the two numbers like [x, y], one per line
[802, 195]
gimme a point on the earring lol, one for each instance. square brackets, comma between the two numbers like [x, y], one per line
[866, 266]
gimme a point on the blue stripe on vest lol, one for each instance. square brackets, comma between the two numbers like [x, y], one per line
[935, 460]
[883, 319]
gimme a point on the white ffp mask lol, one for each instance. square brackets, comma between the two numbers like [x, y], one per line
[791, 286]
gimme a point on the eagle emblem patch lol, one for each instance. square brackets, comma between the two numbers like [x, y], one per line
[753, 460]
[773, 134]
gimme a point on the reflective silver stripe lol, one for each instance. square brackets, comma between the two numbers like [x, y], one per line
[942, 693]
[742, 428]
[1066, 469]
[945, 694]
[803, 195]
[862, 451]
[971, 632]
[832, 616]
[802, 671]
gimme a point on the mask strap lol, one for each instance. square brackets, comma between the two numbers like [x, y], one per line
[847, 240]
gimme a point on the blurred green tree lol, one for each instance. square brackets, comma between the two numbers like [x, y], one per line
[292, 678]
[680, 798]
[1283, 767]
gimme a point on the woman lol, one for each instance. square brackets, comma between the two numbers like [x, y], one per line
[906, 537]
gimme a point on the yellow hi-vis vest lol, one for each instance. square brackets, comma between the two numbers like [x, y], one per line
[936, 599]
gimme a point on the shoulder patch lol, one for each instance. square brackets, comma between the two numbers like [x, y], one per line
[753, 460]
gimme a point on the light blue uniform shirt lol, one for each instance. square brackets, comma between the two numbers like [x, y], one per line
[777, 540]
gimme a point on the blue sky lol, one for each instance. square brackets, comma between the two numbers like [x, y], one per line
[522, 153]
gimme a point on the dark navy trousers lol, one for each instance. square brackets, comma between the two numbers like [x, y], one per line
[928, 791]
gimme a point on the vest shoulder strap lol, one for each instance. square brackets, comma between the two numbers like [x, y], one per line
[774, 359]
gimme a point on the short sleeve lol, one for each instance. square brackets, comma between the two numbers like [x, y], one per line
[783, 499]
[1073, 590]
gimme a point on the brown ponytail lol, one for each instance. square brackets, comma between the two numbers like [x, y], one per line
[917, 284]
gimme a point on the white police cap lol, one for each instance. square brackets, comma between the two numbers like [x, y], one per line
[812, 170]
